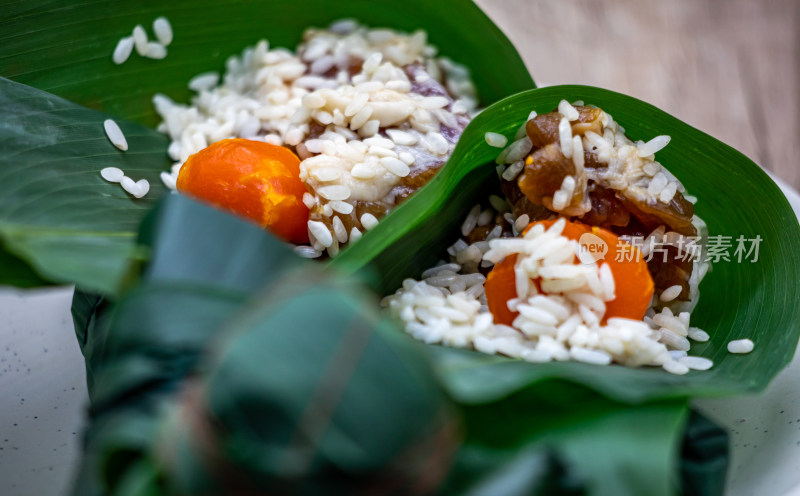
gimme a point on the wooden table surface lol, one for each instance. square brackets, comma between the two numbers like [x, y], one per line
[730, 68]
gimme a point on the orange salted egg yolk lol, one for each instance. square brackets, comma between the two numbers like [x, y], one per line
[252, 179]
[633, 283]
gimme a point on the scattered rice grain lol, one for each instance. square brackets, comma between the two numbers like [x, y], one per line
[163, 30]
[142, 188]
[740, 346]
[112, 174]
[140, 39]
[155, 50]
[676, 368]
[696, 362]
[123, 50]
[114, 134]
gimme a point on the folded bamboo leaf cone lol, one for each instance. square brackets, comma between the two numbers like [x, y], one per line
[311, 393]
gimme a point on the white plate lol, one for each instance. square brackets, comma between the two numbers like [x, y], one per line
[765, 428]
[43, 390]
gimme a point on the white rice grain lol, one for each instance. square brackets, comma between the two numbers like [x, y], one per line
[370, 128]
[361, 118]
[313, 101]
[114, 134]
[433, 102]
[169, 180]
[407, 158]
[395, 166]
[294, 137]
[459, 107]
[356, 104]
[471, 254]
[651, 168]
[123, 50]
[696, 362]
[334, 192]
[677, 354]
[673, 340]
[670, 293]
[667, 320]
[140, 39]
[343, 26]
[560, 200]
[470, 221]
[308, 200]
[485, 217]
[657, 184]
[607, 280]
[341, 207]
[401, 138]
[565, 137]
[567, 110]
[155, 50]
[369, 221]
[513, 170]
[568, 185]
[436, 143]
[163, 30]
[668, 193]
[740, 346]
[112, 174]
[537, 314]
[522, 222]
[204, 81]
[496, 140]
[499, 204]
[699, 335]
[518, 150]
[595, 357]
[326, 174]
[339, 230]
[307, 252]
[653, 146]
[441, 280]
[676, 368]
[320, 232]
[451, 267]
[577, 154]
[129, 185]
[142, 188]
[363, 171]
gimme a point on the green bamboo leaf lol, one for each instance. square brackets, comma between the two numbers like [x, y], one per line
[18, 273]
[738, 300]
[606, 447]
[66, 49]
[562, 439]
[56, 214]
